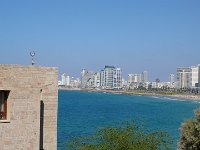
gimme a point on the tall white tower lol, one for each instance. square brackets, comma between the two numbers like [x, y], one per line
[144, 76]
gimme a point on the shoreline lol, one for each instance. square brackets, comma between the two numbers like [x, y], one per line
[177, 96]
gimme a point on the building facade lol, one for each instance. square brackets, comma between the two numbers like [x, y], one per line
[172, 81]
[28, 107]
[87, 78]
[199, 77]
[65, 80]
[96, 80]
[134, 78]
[117, 78]
[184, 77]
[194, 76]
[144, 77]
[111, 77]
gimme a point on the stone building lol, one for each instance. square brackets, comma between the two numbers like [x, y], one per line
[28, 107]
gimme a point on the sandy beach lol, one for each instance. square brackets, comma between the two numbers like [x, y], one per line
[178, 96]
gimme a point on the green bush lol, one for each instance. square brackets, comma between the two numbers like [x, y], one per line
[127, 137]
[190, 133]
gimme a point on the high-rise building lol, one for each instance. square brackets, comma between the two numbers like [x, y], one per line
[171, 78]
[171, 81]
[75, 83]
[102, 78]
[107, 77]
[130, 79]
[183, 77]
[194, 76]
[96, 80]
[199, 77]
[144, 77]
[134, 78]
[111, 77]
[65, 79]
[83, 72]
[86, 78]
[117, 78]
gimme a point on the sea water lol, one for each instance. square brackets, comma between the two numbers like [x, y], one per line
[83, 113]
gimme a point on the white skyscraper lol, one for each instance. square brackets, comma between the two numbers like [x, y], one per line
[96, 80]
[171, 81]
[144, 77]
[194, 76]
[107, 76]
[183, 77]
[171, 78]
[117, 81]
[130, 78]
[68, 80]
[65, 79]
[134, 78]
[83, 72]
[111, 77]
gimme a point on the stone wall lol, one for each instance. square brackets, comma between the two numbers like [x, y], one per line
[29, 85]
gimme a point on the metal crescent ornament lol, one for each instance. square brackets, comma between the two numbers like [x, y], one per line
[32, 53]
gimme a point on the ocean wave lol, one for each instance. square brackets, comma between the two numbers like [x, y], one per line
[156, 97]
[118, 93]
[196, 102]
[169, 98]
[173, 99]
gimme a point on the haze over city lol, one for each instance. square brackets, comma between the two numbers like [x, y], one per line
[157, 36]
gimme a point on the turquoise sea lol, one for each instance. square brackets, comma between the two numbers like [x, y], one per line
[83, 113]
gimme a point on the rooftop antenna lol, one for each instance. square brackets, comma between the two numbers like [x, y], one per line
[32, 53]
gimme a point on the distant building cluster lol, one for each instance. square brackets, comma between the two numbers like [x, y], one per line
[110, 77]
[69, 82]
[138, 80]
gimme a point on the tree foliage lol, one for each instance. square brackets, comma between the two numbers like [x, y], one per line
[127, 137]
[190, 133]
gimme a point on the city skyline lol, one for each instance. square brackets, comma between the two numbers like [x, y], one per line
[157, 36]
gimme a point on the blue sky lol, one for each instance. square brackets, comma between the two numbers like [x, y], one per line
[136, 35]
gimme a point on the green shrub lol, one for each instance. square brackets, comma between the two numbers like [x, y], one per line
[127, 137]
[190, 133]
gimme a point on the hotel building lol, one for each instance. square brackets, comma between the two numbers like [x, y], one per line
[183, 77]
[111, 77]
[134, 78]
[144, 77]
[65, 80]
[96, 80]
[194, 76]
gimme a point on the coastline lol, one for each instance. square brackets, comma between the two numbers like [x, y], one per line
[177, 96]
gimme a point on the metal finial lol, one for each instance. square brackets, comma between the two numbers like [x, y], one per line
[32, 53]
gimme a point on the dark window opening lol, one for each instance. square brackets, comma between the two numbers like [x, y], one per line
[41, 124]
[3, 104]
